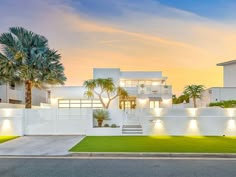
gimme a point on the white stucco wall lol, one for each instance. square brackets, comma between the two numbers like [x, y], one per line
[113, 73]
[203, 121]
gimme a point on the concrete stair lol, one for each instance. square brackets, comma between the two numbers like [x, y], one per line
[132, 130]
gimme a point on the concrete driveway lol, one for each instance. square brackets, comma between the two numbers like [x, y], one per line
[39, 145]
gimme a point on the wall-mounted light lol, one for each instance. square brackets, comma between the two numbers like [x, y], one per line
[122, 83]
[158, 112]
[192, 112]
[231, 112]
[166, 101]
[142, 101]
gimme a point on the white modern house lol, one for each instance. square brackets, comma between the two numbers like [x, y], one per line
[145, 89]
[145, 112]
[228, 91]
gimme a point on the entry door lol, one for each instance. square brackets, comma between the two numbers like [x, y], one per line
[153, 104]
[127, 104]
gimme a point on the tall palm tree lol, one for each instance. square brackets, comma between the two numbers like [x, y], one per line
[104, 89]
[194, 92]
[27, 58]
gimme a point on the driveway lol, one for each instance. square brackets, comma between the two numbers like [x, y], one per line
[39, 145]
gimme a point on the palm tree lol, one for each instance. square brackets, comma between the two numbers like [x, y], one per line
[104, 87]
[194, 92]
[27, 58]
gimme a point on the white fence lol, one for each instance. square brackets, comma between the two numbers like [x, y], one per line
[162, 121]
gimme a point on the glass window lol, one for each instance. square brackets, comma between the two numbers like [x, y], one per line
[148, 82]
[64, 105]
[63, 101]
[154, 104]
[74, 101]
[75, 105]
[86, 101]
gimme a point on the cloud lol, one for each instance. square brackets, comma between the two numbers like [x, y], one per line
[140, 36]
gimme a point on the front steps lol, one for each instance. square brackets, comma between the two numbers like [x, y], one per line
[132, 130]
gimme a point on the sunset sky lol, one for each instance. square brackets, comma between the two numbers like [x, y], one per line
[183, 38]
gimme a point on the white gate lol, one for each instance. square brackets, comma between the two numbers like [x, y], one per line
[64, 121]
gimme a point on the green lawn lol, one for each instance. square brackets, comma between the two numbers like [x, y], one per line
[156, 144]
[6, 138]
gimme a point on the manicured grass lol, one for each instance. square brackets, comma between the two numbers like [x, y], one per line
[208, 144]
[6, 138]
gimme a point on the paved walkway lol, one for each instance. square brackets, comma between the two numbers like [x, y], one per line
[39, 145]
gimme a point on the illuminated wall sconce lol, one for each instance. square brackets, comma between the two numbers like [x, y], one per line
[142, 101]
[166, 101]
[231, 124]
[158, 112]
[192, 112]
[231, 112]
[122, 83]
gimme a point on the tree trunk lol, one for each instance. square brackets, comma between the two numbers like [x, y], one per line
[194, 102]
[28, 94]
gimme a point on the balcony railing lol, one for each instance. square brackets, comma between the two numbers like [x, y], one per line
[150, 89]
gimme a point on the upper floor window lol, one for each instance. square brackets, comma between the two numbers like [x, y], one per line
[12, 85]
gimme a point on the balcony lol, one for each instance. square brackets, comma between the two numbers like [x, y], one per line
[152, 90]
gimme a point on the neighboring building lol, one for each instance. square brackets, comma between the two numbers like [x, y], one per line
[228, 91]
[146, 90]
[15, 94]
[229, 73]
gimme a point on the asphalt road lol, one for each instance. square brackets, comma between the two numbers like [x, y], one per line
[59, 167]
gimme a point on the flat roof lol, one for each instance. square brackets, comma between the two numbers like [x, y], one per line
[226, 63]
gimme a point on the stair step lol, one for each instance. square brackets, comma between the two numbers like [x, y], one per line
[131, 133]
[132, 129]
[132, 126]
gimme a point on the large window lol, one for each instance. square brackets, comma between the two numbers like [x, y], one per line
[79, 103]
[138, 83]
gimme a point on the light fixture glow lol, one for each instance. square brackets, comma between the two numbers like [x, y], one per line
[192, 112]
[7, 112]
[231, 112]
[158, 112]
[159, 128]
[142, 101]
[193, 129]
[166, 101]
[122, 83]
[231, 124]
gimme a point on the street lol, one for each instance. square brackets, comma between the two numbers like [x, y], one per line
[92, 167]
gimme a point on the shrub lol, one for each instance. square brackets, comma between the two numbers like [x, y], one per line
[106, 125]
[224, 104]
[101, 114]
[113, 125]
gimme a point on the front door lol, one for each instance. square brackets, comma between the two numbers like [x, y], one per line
[129, 103]
[154, 104]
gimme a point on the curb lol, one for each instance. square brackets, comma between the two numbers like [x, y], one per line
[167, 155]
